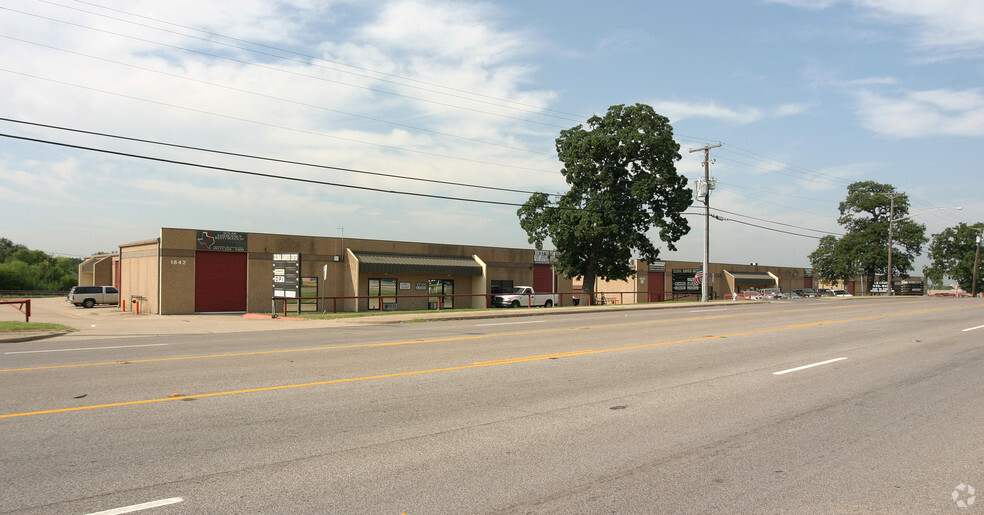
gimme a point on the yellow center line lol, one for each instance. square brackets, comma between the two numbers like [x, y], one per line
[411, 342]
[481, 364]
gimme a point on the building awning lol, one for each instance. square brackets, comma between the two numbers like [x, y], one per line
[736, 280]
[753, 277]
[379, 263]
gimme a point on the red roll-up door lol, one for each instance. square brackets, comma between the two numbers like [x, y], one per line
[543, 279]
[220, 281]
[656, 286]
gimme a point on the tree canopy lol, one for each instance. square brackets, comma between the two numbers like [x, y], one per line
[952, 254]
[25, 269]
[863, 250]
[623, 183]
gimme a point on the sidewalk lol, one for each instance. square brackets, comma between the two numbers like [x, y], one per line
[110, 322]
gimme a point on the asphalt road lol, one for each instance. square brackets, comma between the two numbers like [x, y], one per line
[652, 411]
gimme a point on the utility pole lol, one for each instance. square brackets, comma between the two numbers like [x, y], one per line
[891, 221]
[977, 258]
[706, 187]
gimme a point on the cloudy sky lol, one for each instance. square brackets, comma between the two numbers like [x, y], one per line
[364, 98]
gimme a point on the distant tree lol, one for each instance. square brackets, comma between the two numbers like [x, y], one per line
[25, 269]
[623, 183]
[951, 254]
[863, 250]
[7, 248]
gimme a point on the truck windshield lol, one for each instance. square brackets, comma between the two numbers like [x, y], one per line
[519, 290]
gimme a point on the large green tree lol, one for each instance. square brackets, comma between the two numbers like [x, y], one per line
[623, 183]
[952, 254]
[863, 250]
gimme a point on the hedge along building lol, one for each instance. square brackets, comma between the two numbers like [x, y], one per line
[197, 271]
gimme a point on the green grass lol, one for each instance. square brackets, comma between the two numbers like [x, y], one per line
[24, 327]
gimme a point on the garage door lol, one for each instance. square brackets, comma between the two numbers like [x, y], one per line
[220, 281]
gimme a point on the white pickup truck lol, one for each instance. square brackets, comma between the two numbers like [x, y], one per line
[523, 296]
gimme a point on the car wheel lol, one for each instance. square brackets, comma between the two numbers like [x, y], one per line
[88, 303]
[515, 304]
[548, 304]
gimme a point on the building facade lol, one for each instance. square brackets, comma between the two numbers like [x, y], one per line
[187, 271]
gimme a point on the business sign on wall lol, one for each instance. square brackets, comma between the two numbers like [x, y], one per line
[287, 275]
[223, 241]
[544, 257]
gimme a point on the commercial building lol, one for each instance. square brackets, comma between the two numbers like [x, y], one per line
[200, 271]
[185, 271]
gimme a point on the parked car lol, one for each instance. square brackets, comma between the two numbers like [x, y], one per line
[88, 296]
[825, 292]
[770, 293]
[806, 292]
[790, 295]
[842, 293]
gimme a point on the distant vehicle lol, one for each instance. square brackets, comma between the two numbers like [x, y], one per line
[842, 293]
[790, 295]
[523, 296]
[770, 293]
[806, 292]
[88, 296]
[825, 292]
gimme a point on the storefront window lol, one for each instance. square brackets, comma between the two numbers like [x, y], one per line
[382, 291]
[440, 289]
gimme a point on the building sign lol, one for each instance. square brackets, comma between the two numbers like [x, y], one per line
[287, 275]
[657, 266]
[807, 272]
[544, 257]
[221, 241]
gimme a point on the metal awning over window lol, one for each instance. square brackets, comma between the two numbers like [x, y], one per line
[379, 263]
[740, 280]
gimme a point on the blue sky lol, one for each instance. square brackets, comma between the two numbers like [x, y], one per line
[805, 97]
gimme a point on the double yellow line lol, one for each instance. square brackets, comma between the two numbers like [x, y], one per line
[507, 361]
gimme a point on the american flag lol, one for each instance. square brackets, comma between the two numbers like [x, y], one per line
[698, 276]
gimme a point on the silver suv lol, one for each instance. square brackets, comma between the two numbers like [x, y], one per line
[89, 296]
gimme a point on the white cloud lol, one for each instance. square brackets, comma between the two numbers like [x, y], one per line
[938, 25]
[677, 111]
[937, 112]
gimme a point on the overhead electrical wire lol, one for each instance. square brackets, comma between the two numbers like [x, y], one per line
[270, 159]
[742, 153]
[256, 174]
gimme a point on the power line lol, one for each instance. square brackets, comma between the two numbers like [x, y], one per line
[270, 159]
[776, 223]
[258, 174]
